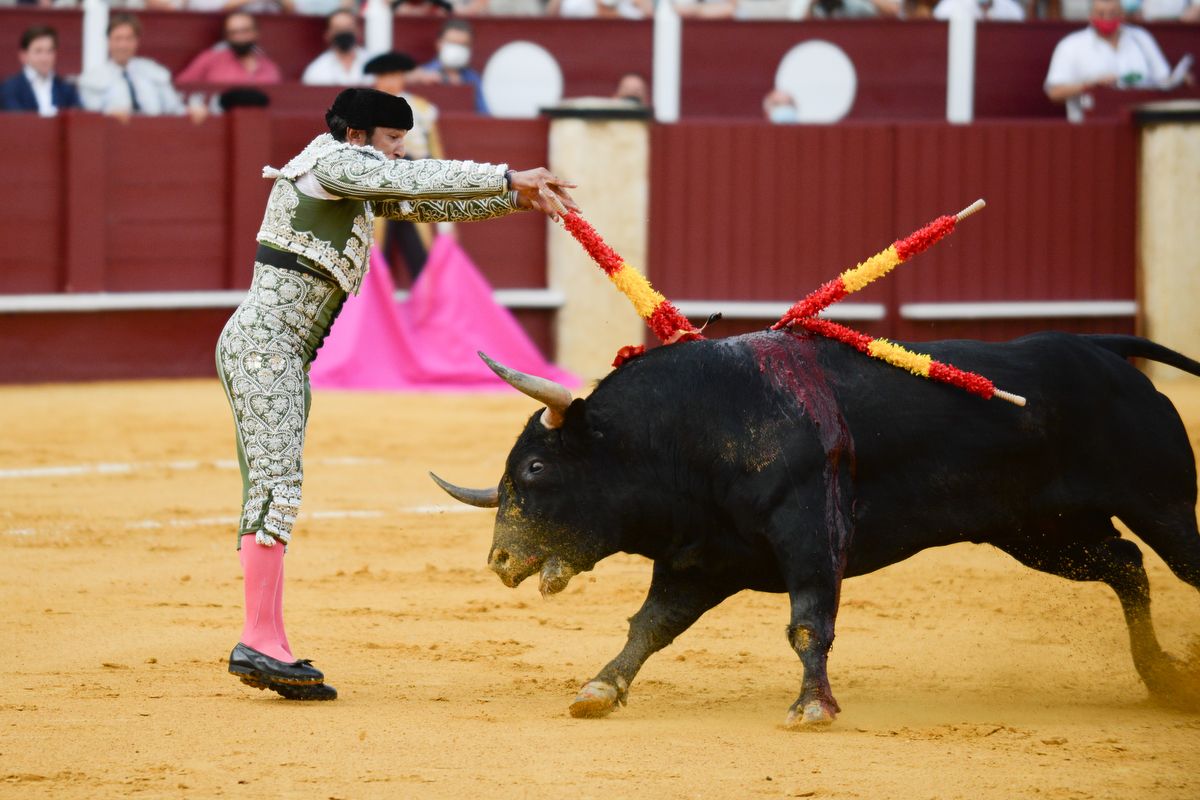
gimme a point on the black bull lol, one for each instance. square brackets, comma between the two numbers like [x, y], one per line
[783, 463]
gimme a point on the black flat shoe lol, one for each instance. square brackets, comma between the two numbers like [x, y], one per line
[318, 691]
[246, 662]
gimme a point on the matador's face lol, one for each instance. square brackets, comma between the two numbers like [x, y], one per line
[389, 141]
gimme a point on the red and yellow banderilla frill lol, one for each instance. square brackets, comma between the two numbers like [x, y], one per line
[670, 326]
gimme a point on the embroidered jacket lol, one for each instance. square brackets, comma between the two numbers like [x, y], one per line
[328, 224]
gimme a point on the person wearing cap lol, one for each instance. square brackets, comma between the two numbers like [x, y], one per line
[403, 240]
[312, 253]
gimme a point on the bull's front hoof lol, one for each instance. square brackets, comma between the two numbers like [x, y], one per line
[596, 699]
[814, 715]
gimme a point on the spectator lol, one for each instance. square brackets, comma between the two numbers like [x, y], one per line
[515, 8]
[605, 9]
[841, 9]
[429, 8]
[920, 9]
[128, 84]
[342, 64]
[633, 88]
[779, 108]
[994, 10]
[246, 6]
[706, 9]
[36, 87]
[1106, 53]
[1171, 10]
[235, 59]
[452, 65]
[322, 8]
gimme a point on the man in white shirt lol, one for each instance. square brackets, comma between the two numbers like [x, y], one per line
[342, 64]
[1106, 53]
[127, 84]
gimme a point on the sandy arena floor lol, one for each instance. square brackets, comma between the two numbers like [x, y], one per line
[961, 674]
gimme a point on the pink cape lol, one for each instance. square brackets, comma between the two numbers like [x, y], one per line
[429, 342]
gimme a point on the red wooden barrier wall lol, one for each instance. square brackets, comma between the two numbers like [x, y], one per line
[162, 204]
[901, 66]
[753, 212]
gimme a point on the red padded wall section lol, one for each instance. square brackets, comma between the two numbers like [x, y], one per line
[1060, 218]
[32, 223]
[757, 212]
[109, 345]
[166, 198]
[754, 212]
[729, 66]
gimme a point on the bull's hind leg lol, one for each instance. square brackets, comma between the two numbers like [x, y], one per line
[1173, 535]
[674, 602]
[1093, 550]
[811, 548]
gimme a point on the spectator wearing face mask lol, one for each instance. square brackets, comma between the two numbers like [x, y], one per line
[993, 10]
[452, 65]
[342, 64]
[779, 107]
[235, 59]
[1107, 53]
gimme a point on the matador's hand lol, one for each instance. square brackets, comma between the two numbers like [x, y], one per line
[540, 190]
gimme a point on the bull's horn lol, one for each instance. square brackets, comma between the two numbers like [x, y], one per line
[480, 498]
[556, 396]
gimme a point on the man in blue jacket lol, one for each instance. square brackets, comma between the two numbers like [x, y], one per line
[36, 87]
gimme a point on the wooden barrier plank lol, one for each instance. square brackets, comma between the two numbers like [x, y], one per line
[167, 196]
[85, 180]
[249, 150]
[31, 259]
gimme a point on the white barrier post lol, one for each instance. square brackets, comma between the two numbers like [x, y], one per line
[668, 35]
[960, 69]
[95, 34]
[377, 22]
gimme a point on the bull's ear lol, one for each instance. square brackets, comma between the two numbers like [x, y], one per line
[576, 428]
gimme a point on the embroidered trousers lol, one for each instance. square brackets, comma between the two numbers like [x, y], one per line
[263, 356]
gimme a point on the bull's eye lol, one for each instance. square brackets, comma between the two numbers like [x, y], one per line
[535, 467]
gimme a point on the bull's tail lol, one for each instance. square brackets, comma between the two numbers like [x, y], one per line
[1137, 347]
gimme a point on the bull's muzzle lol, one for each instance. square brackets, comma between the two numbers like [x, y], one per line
[513, 569]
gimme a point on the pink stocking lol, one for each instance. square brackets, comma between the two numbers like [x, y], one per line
[279, 630]
[262, 568]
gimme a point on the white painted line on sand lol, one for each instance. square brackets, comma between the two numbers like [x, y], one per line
[458, 508]
[231, 520]
[123, 468]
